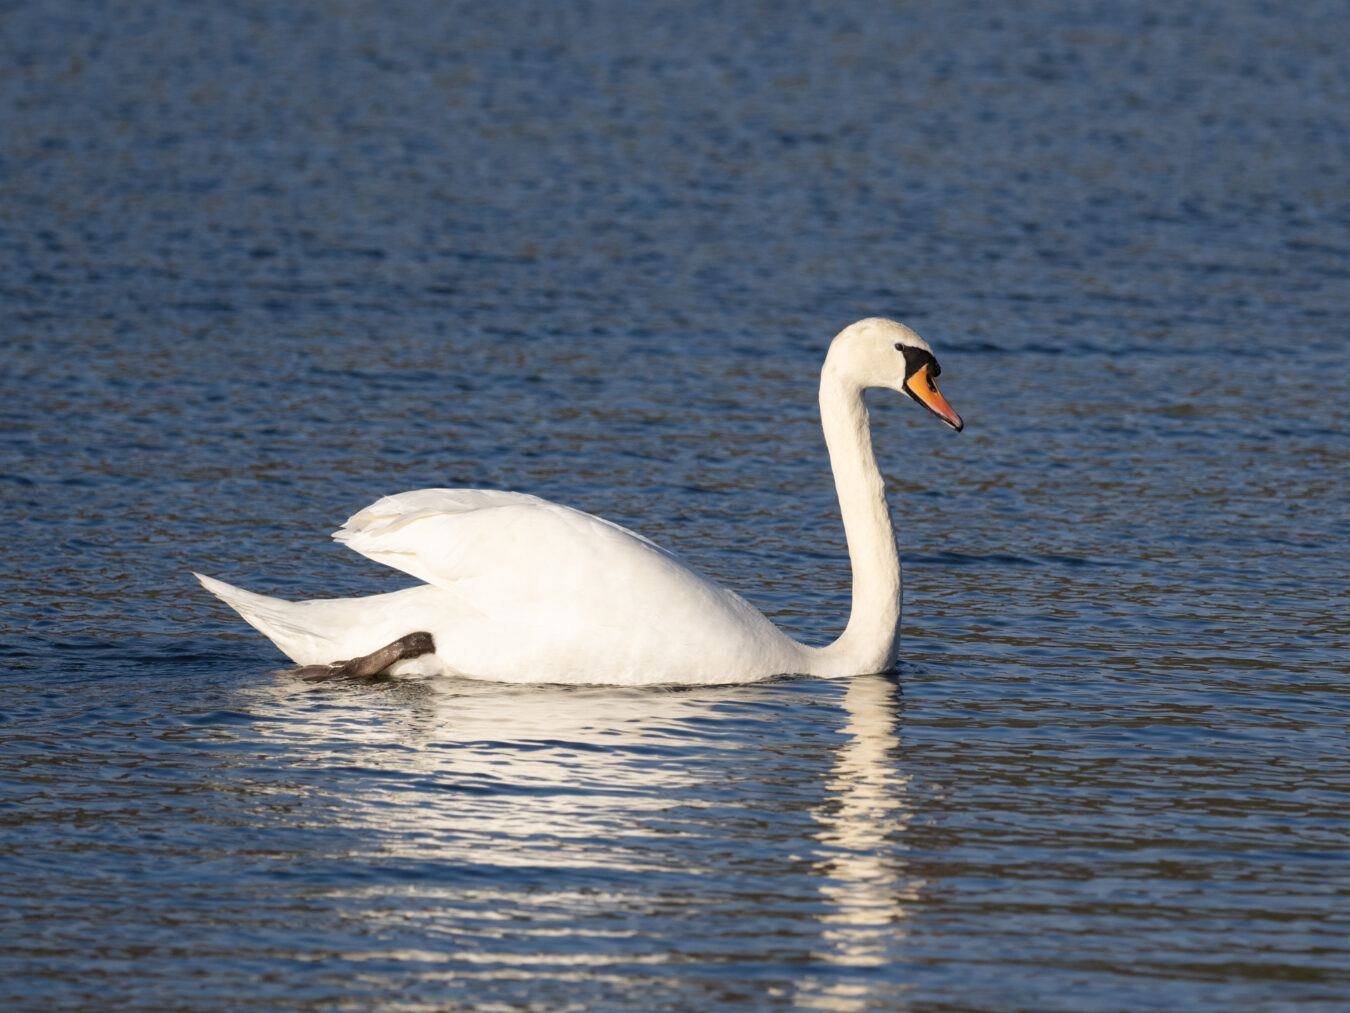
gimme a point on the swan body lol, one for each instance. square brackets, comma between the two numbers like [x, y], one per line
[519, 589]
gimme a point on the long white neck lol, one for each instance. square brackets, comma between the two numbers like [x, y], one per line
[868, 644]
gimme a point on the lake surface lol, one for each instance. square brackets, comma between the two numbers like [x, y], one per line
[260, 264]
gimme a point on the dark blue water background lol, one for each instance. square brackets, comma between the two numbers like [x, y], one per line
[261, 263]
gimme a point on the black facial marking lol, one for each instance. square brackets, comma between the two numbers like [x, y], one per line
[916, 358]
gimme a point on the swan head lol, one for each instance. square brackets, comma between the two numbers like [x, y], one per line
[883, 353]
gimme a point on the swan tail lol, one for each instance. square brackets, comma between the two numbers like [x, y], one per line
[289, 625]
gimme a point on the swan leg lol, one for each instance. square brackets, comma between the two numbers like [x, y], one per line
[414, 645]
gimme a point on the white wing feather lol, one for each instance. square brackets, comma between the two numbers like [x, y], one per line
[537, 580]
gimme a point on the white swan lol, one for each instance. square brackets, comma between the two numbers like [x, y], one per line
[519, 589]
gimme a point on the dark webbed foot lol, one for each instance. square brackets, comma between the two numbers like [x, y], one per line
[414, 645]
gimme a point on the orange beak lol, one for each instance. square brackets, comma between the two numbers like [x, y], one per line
[921, 387]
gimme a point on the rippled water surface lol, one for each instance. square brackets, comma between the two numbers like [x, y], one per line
[260, 264]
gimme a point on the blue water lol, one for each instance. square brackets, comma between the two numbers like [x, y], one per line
[260, 264]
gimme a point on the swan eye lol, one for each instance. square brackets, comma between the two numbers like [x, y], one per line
[899, 347]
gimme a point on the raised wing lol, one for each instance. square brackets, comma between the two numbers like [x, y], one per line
[535, 585]
[509, 554]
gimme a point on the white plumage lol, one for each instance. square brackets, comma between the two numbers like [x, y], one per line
[518, 589]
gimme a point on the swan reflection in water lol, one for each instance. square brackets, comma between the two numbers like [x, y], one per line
[479, 775]
[607, 827]
[863, 877]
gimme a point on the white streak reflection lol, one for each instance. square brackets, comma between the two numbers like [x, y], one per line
[862, 876]
[481, 775]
